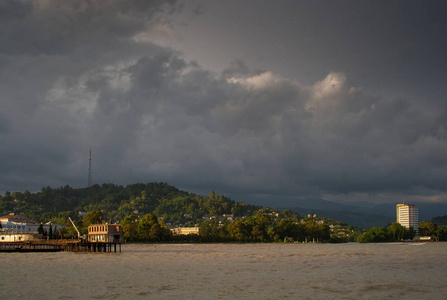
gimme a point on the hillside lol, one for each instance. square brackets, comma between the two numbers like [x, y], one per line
[175, 206]
[362, 220]
[357, 214]
[440, 220]
[117, 202]
[146, 210]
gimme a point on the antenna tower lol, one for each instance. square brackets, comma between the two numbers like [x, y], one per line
[90, 170]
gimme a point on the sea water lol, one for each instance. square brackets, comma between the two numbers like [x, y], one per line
[231, 271]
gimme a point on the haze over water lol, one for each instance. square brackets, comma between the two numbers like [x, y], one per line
[231, 271]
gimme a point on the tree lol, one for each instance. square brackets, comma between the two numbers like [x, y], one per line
[287, 228]
[159, 233]
[56, 233]
[149, 229]
[441, 232]
[259, 227]
[209, 230]
[93, 217]
[144, 226]
[396, 231]
[410, 233]
[239, 231]
[50, 232]
[130, 228]
[40, 229]
[374, 235]
[426, 228]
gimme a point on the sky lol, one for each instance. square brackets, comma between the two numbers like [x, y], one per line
[266, 102]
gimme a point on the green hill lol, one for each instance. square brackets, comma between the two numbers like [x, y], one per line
[138, 207]
[117, 202]
[441, 220]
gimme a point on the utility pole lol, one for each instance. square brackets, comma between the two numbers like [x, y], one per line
[90, 170]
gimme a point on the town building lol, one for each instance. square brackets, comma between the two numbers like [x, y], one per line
[407, 215]
[17, 227]
[105, 233]
[185, 230]
[18, 223]
[11, 236]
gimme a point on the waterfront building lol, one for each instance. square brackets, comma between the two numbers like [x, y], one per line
[18, 223]
[105, 233]
[12, 236]
[185, 230]
[407, 215]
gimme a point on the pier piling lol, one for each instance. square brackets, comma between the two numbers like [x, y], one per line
[60, 245]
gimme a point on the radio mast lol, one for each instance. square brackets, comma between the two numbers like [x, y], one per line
[90, 170]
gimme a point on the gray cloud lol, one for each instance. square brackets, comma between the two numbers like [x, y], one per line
[75, 77]
[55, 28]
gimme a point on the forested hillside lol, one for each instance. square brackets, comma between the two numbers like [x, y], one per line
[117, 202]
[145, 211]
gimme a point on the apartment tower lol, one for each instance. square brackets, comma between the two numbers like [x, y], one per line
[408, 216]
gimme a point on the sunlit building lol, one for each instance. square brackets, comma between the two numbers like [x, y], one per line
[17, 227]
[18, 223]
[105, 233]
[407, 215]
[185, 230]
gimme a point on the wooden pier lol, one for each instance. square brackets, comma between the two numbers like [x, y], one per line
[92, 247]
[60, 245]
[30, 246]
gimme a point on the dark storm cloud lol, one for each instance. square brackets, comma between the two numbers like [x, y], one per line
[383, 46]
[57, 27]
[81, 75]
[48, 49]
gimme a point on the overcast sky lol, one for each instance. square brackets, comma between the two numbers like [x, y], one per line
[262, 101]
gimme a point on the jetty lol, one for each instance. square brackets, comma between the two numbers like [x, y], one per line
[84, 246]
[60, 246]
[20, 237]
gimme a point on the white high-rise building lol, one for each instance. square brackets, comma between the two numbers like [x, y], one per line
[407, 215]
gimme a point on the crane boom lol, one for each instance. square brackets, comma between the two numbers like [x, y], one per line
[79, 234]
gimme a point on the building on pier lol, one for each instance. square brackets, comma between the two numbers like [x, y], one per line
[105, 233]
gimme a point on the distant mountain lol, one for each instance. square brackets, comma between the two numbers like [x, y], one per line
[351, 218]
[325, 205]
[427, 210]
[441, 220]
[370, 216]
